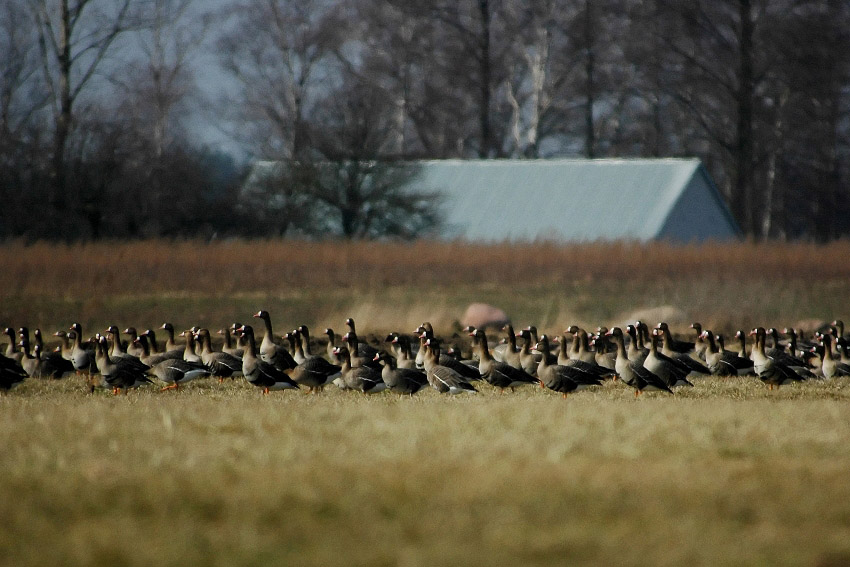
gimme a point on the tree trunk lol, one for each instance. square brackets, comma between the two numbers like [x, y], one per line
[590, 70]
[743, 191]
[486, 77]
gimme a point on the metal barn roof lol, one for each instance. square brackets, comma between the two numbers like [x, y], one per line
[578, 200]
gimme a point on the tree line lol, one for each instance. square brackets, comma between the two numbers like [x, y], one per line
[101, 102]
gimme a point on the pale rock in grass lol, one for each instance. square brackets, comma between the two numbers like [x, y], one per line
[482, 315]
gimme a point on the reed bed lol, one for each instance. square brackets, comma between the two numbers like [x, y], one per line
[397, 285]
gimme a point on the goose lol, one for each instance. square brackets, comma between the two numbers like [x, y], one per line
[830, 367]
[190, 353]
[669, 349]
[152, 359]
[580, 348]
[174, 371]
[82, 358]
[297, 347]
[444, 379]
[270, 351]
[304, 334]
[29, 363]
[771, 371]
[722, 362]
[425, 331]
[402, 381]
[559, 377]
[120, 373]
[260, 373]
[133, 348]
[593, 367]
[364, 379]
[636, 351]
[51, 365]
[221, 364]
[12, 348]
[404, 357]
[357, 360]
[499, 374]
[365, 350]
[228, 345]
[169, 342]
[117, 346]
[530, 360]
[510, 354]
[12, 373]
[66, 346]
[673, 344]
[671, 370]
[314, 372]
[331, 346]
[700, 344]
[632, 373]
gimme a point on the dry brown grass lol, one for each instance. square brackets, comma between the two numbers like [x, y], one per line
[725, 473]
[387, 285]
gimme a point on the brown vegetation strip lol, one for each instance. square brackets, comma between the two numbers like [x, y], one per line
[245, 266]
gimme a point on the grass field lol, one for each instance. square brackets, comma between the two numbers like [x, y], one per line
[727, 472]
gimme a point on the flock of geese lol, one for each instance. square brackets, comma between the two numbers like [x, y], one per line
[639, 357]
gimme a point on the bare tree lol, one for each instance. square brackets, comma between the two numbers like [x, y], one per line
[278, 51]
[75, 36]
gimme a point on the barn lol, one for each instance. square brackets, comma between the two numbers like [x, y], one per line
[578, 200]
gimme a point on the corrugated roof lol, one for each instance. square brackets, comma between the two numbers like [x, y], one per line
[561, 199]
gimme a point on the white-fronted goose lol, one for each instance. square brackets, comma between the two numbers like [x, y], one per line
[402, 381]
[357, 360]
[404, 357]
[52, 364]
[700, 345]
[304, 335]
[636, 351]
[667, 348]
[498, 374]
[315, 373]
[723, 362]
[769, 370]
[66, 346]
[12, 350]
[152, 358]
[271, 352]
[672, 343]
[672, 371]
[170, 343]
[260, 373]
[364, 349]
[120, 373]
[220, 364]
[174, 372]
[510, 354]
[189, 352]
[133, 348]
[557, 377]
[564, 359]
[366, 379]
[82, 358]
[580, 348]
[116, 346]
[530, 360]
[331, 346]
[442, 378]
[296, 347]
[229, 347]
[29, 363]
[632, 373]
[831, 367]
[12, 374]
